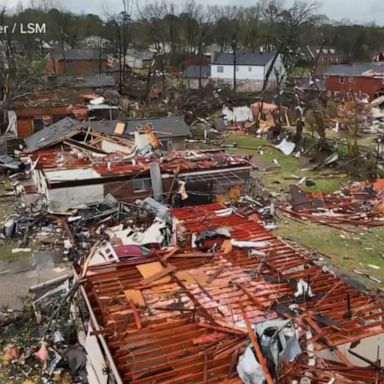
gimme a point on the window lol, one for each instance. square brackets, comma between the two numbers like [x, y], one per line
[142, 185]
[329, 94]
[350, 79]
[38, 125]
[249, 69]
[166, 144]
[220, 69]
[342, 80]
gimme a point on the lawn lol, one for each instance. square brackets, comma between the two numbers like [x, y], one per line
[348, 251]
[289, 166]
[6, 209]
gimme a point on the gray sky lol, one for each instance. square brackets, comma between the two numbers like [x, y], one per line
[365, 11]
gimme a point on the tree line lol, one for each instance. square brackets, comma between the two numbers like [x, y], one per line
[191, 27]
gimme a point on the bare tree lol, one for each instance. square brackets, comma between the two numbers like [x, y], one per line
[120, 26]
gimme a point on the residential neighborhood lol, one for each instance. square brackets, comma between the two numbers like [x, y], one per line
[192, 192]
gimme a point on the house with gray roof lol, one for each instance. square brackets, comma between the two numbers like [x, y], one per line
[250, 69]
[194, 75]
[358, 80]
[75, 62]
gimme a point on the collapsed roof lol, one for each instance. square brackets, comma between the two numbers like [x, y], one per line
[179, 315]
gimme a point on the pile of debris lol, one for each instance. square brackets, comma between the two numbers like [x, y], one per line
[200, 294]
[206, 294]
[360, 204]
[40, 342]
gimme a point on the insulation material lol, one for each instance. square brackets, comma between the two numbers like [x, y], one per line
[249, 370]
[238, 114]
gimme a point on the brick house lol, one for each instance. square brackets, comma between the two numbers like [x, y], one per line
[358, 80]
[75, 62]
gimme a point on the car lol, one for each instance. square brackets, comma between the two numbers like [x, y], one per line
[11, 164]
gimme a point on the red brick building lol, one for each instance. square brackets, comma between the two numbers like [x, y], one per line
[75, 62]
[358, 80]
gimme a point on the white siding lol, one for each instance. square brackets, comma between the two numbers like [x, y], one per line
[61, 199]
[243, 73]
[109, 147]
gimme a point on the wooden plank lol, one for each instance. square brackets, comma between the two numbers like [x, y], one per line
[154, 269]
[136, 296]
[119, 128]
[159, 277]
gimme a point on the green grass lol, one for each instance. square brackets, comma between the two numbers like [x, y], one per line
[289, 166]
[6, 209]
[348, 251]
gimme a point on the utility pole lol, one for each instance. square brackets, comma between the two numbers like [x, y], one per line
[234, 48]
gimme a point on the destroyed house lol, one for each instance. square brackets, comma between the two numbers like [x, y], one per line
[75, 62]
[171, 131]
[33, 112]
[84, 174]
[355, 80]
[90, 83]
[33, 119]
[45, 108]
[184, 314]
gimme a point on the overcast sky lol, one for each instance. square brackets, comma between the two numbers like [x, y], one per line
[365, 11]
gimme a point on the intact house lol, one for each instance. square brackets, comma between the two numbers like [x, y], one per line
[75, 62]
[196, 76]
[251, 70]
[357, 80]
[324, 55]
[172, 131]
[138, 59]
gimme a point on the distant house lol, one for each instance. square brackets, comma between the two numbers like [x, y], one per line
[75, 62]
[212, 50]
[251, 70]
[94, 41]
[358, 80]
[193, 74]
[171, 131]
[325, 55]
[378, 57]
[139, 60]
